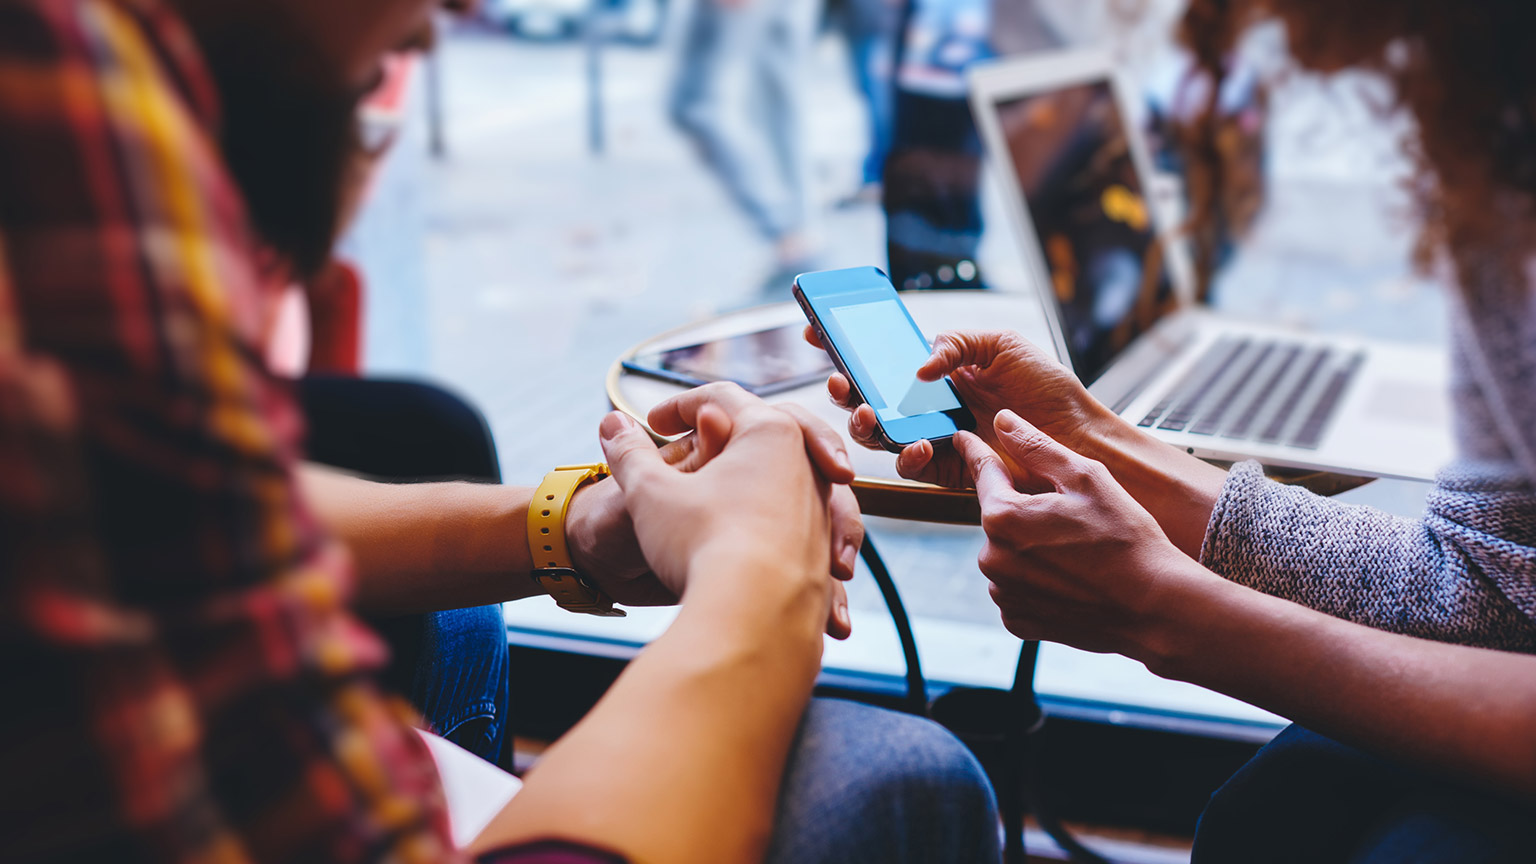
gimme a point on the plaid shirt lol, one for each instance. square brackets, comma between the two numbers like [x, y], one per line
[182, 680]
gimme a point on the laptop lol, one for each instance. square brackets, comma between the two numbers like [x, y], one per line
[1118, 293]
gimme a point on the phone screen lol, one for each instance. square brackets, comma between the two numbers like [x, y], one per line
[875, 342]
[891, 351]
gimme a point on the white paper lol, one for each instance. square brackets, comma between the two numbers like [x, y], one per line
[475, 789]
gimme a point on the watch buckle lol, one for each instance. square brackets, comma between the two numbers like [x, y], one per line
[576, 595]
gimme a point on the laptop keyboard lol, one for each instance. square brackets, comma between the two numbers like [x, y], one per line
[1270, 391]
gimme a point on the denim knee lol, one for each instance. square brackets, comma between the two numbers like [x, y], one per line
[461, 678]
[868, 785]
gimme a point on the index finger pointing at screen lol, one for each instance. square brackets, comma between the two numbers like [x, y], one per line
[956, 348]
[994, 485]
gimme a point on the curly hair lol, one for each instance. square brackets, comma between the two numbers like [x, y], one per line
[1462, 70]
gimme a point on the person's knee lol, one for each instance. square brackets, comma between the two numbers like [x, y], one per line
[1301, 798]
[871, 785]
[891, 751]
[460, 684]
[933, 770]
[1245, 806]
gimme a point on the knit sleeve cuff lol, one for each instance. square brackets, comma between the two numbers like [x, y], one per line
[1228, 548]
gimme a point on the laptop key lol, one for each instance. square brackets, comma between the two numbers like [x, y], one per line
[1215, 364]
[1310, 435]
[1195, 374]
[1140, 387]
[1170, 397]
[1277, 424]
[1210, 421]
[1246, 420]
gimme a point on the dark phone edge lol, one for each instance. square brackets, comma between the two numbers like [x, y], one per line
[755, 389]
[662, 374]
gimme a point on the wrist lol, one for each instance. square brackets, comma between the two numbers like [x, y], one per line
[1103, 436]
[1178, 489]
[758, 578]
[1174, 616]
[580, 526]
[597, 518]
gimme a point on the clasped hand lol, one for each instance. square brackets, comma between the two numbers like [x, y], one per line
[765, 481]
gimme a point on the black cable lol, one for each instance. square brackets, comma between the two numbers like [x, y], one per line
[1046, 817]
[917, 688]
[1023, 715]
[1022, 772]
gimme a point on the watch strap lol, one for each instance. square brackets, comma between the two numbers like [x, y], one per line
[553, 569]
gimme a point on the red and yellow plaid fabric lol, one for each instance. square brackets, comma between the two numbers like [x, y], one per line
[182, 680]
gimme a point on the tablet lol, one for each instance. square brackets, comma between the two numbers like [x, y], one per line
[762, 362]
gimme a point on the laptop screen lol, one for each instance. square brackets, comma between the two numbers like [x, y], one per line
[1073, 163]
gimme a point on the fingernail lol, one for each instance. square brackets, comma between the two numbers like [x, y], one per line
[841, 613]
[849, 557]
[614, 425]
[841, 459]
[1007, 421]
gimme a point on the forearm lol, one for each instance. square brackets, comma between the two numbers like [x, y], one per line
[1449, 576]
[1457, 574]
[1461, 712]
[1175, 487]
[427, 546]
[681, 761]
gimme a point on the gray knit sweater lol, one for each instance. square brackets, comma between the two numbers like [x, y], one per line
[1466, 571]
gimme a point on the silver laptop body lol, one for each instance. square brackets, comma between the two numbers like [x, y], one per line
[1118, 295]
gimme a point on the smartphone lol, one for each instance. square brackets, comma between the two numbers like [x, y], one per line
[765, 362]
[875, 343]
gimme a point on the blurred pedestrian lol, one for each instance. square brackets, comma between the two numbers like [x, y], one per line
[738, 96]
[931, 192]
[870, 26]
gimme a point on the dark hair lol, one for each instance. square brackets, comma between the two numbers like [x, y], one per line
[1462, 70]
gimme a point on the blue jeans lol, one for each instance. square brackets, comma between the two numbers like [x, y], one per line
[1308, 798]
[868, 786]
[460, 680]
[862, 784]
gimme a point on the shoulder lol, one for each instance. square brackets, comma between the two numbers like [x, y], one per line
[115, 189]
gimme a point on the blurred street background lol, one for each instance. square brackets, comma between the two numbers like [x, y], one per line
[566, 218]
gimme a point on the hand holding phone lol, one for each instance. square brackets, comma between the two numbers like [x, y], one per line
[876, 345]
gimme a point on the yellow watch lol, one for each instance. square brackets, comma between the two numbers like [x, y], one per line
[552, 567]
